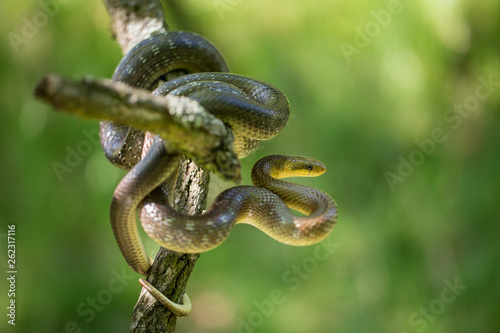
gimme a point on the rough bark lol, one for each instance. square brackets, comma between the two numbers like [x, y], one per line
[135, 20]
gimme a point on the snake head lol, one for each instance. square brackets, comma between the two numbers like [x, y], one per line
[282, 166]
[305, 167]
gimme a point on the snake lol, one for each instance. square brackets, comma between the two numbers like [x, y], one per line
[254, 110]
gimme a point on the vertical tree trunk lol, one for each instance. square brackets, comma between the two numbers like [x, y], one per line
[131, 22]
[171, 270]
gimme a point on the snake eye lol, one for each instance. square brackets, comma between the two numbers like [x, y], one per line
[309, 167]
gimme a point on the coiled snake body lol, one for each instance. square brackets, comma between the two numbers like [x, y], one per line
[255, 111]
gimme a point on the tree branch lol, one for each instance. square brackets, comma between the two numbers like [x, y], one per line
[135, 20]
[182, 122]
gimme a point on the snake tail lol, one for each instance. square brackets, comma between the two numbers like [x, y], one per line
[180, 310]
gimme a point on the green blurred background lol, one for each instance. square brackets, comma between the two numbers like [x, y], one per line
[399, 243]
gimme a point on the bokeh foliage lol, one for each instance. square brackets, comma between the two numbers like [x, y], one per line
[396, 245]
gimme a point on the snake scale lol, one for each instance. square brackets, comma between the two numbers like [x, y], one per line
[255, 111]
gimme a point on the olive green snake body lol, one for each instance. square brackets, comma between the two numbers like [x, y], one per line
[255, 111]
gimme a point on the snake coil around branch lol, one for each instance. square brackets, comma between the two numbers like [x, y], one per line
[254, 111]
